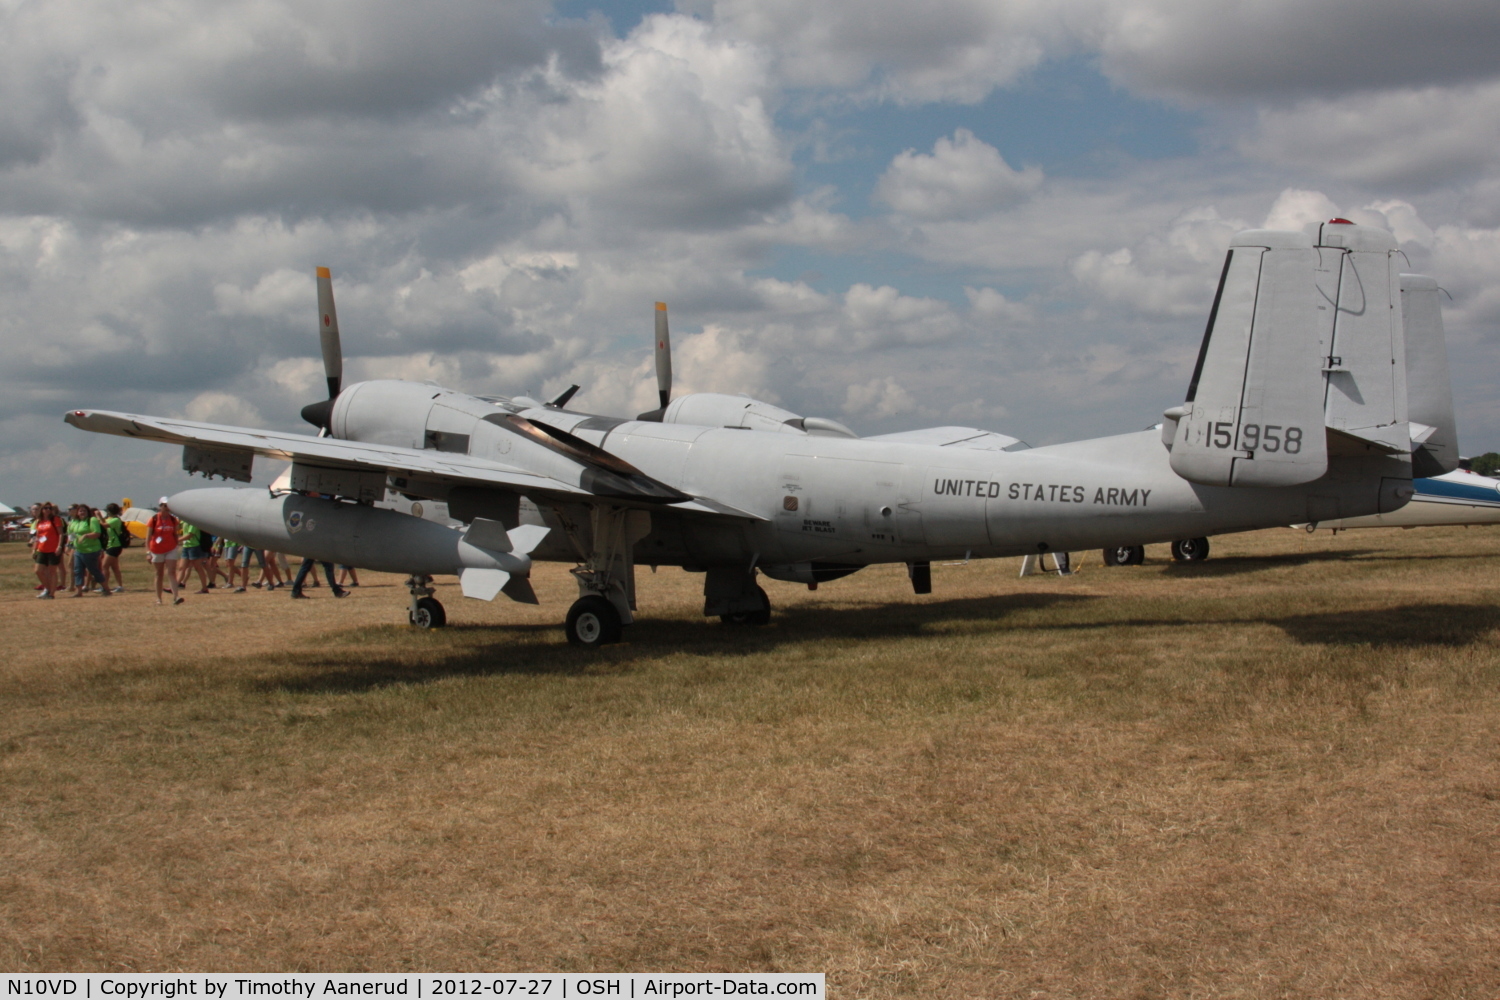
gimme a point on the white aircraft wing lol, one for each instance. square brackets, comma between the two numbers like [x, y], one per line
[953, 437]
[361, 456]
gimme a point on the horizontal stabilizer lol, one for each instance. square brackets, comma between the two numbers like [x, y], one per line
[1254, 409]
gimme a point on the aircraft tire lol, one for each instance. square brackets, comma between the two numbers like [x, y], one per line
[1125, 555]
[429, 614]
[760, 617]
[593, 622]
[1190, 550]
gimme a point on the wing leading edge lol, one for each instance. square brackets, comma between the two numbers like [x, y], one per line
[446, 468]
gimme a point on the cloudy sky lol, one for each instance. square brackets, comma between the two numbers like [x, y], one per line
[1000, 213]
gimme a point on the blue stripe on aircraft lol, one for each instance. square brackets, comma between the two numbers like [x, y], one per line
[1447, 491]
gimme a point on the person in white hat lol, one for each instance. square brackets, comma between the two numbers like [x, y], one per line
[162, 548]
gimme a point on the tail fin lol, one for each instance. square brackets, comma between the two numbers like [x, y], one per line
[486, 584]
[1429, 394]
[1361, 333]
[1254, 409]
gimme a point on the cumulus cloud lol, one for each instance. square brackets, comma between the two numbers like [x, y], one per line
[502, 193]
[676, 131]
[1286, 48]
[878, 398]
[1414, 138]
[1297, 209]
[963, 176]
[956, 50]
[222, 408]
[1166, 275]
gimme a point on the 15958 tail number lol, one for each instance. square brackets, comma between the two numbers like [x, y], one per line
[1269, 438]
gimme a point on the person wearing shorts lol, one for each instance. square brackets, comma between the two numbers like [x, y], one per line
[270, 576]
[246, 554]
[194, 556]
[162, 549]
[114, 543]
[46, 548]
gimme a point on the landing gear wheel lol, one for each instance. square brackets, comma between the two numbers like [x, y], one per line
[1125, 555]
[762, 616]
[593, 622]
[1190, 550]
[429, 614]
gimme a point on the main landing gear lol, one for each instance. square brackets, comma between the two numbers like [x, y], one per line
[732, 594]
[593, 621]
[1185, 550]
[606, 578]
[1125, 555]
[1190, 550]
[425, 610]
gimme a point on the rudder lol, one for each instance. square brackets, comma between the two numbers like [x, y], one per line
[1429, 392]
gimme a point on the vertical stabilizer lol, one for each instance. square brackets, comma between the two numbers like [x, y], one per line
[1429, 393]
[1254, 409]
[1360, 328]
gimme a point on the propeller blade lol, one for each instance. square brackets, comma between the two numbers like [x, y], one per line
[328, 333]
[663, 356]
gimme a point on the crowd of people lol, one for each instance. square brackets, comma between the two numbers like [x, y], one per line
[81, 554]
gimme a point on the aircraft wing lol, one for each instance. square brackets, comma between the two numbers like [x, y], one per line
[448, 468]
[953, 437]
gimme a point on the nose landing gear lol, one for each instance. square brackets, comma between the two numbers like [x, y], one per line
[425, 610]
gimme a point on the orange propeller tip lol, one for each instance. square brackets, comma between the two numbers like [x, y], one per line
[323, 272]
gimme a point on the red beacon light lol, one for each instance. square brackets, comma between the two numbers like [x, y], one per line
[1340, 222]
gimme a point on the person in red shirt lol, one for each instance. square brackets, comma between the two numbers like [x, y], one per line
[46, 548]
[162, 548]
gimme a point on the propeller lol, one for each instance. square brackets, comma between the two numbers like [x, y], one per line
[320, 414]
[663, 365]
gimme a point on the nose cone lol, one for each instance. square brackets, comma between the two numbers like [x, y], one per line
[213, 509]
[319, 414]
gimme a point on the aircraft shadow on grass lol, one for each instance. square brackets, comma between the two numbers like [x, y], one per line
[1409, 626]
[539, 649]
[1236, 565]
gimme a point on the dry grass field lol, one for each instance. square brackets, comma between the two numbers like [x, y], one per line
[1274, 774]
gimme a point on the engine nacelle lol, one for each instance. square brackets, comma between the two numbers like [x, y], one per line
[387, 411]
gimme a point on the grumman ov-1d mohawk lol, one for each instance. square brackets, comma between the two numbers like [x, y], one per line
[1300, 409]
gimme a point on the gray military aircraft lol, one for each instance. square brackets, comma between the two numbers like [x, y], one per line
[1313, 398]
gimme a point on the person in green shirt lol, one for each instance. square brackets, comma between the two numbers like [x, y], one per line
[115, 534]
[194, 556]
[86, 535]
